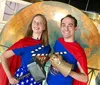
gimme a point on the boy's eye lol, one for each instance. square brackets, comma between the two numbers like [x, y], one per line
[63, 25]
[69, 25]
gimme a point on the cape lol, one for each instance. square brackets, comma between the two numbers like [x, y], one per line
[15, 61]
[77, 51]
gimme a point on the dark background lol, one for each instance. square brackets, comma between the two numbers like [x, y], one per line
[85, 5]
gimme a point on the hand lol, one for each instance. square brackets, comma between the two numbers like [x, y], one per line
[56, 60]
[13, 80]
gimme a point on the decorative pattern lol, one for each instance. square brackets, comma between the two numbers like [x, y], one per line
[25, 79]
[37, 49]
[61, 52]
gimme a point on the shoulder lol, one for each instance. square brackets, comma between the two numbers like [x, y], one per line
[78, 45]
[57, 43]
[81, 50]
[17, 44]
[24, 39]
[59, 39]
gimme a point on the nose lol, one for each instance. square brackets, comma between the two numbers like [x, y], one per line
[66, 28]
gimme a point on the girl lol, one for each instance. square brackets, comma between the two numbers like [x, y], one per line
[37, 35]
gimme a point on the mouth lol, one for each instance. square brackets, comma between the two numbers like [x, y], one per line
[36, 28]
[66, 32]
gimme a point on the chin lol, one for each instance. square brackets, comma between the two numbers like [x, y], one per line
[66, 37]
[37, 31]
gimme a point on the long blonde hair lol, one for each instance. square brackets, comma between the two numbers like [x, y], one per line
[44, 36]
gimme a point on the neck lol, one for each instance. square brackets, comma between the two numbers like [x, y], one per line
[69, 39]
[36, 36]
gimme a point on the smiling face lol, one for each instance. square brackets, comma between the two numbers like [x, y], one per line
[68, 28]
[38, 25]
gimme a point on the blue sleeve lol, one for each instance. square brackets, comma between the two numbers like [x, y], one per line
[18, 51]
[56, 46]
[48, 49]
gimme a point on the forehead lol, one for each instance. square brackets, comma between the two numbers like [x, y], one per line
[67, 20]
[38, 18]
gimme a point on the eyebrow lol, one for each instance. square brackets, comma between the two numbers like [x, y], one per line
[71, 24]
[68, 24]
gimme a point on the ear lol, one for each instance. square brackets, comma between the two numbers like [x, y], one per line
[76, 28]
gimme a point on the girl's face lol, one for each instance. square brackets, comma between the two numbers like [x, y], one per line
[38, 25]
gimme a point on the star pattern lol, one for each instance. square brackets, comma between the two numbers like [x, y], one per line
[29, 80]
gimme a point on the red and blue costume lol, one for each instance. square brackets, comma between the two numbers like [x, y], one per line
[16, 61]
[74, 54]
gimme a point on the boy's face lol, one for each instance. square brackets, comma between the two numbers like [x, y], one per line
[68, 27]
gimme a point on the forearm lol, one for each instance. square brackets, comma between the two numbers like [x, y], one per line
[5, 66]
[79, 76]
[64, 68]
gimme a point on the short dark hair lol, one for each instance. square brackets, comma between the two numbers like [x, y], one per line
[70, 16]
